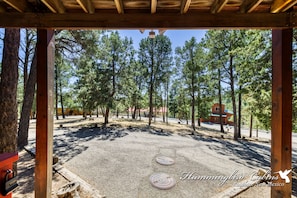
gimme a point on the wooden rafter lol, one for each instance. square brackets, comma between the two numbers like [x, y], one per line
[185, 4]
[120, 6]
[218, 6]
[56, 6]
[87, 6]
[282, 5]
[19, 5]
[153, 6]
[249, 5]
[148, 21]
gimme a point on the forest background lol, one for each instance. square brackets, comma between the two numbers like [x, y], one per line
[102, 72]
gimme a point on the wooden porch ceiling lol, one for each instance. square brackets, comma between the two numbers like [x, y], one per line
[171, 14]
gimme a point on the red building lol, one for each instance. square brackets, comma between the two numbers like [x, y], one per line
[215, 114]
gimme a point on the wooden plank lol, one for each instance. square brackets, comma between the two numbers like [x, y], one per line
[2, 10]
[56, 6]
[19, 5]
[217, 6]
[281, 122]
[44, 124]
[185, 5]
[153, 6]
[149, 21]
[282, 5]
[249, 5]
[119, 6]
[87, 6]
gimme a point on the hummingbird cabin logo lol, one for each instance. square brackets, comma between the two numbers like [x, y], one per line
[284, 175]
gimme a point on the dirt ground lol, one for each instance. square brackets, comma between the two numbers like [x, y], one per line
[26, 164]
[26, 161]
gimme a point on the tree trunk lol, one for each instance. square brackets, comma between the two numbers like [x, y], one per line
[198, 108]
[134, 113]
[220, 101]
[26, 60]
[155, 105]
[57, 93]
[167, 100]
[151, 103]
[251, 125]
[193, 101]
[106, 115]
[151, 90]
[233, 98]
[8, 91]
[163, 109]
[27, 105]
[61, 99]
[239, 111]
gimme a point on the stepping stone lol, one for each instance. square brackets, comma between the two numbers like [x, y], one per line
[162, 181]
[164, 160]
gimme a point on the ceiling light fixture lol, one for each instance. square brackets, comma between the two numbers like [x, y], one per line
[152, 34]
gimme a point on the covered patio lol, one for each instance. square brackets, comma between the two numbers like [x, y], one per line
[48, 15]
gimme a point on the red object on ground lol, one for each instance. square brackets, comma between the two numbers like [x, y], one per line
[6, 162]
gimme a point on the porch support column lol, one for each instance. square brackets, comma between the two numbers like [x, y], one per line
[44, 126]
[281, 122]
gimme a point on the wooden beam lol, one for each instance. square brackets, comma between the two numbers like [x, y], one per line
[185, 4]
[120, 6]
[44, 124]
[154, 6]
[282, 5]
[56, 6]
[149, 21]
[249, 5]
[2, 10]
[19, 5]
[218, 6]
[87, 6]
[281, 122]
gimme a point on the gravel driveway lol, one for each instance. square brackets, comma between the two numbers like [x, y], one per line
[118, 161]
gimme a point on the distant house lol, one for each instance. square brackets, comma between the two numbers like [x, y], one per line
[215, 114]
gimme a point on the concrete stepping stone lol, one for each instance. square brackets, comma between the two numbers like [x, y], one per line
[162, 181]
[164, 160]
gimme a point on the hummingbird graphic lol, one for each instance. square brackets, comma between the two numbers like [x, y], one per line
[284, 175]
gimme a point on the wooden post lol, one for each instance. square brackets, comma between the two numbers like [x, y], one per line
[44, 126]
[281, 123]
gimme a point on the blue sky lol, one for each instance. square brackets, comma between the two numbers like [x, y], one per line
[177, 37]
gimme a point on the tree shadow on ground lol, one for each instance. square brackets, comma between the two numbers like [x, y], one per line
[294, 186]
[100, 133]
[70, 144]
[26, 166]
[149, 129]
[69, 121]
[249, 154]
